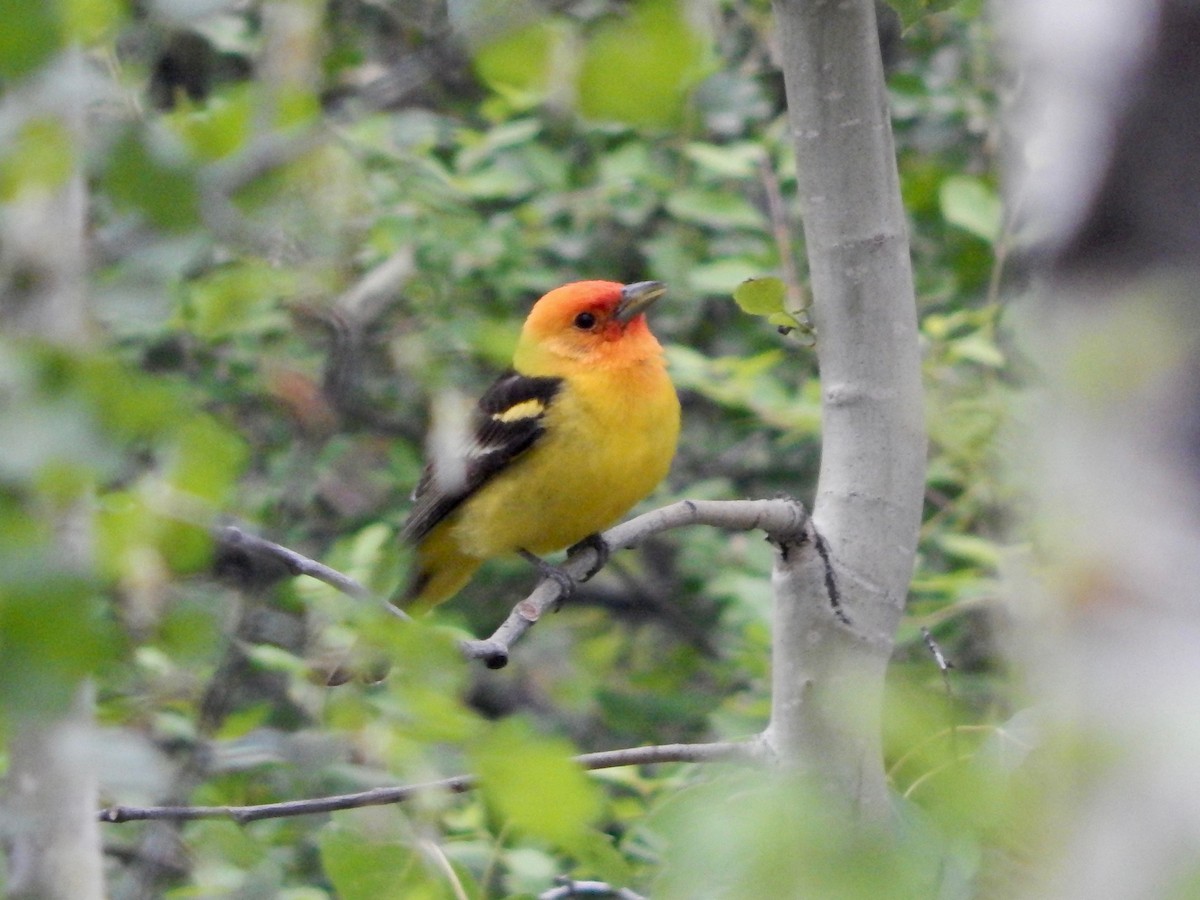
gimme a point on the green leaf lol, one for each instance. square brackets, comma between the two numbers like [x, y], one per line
[52, 635]
[598, 855]
[639, 67]
[717, 209]
[972, 205]
[91, 20]
[145, 179]
[761, 296]
[219, 128]
[722, 276]
[912, 11]
[534, 784]
[520, 64]
[739, 160]
[971, 548]
[977, 349]
[496, 181]
[30, 34]
[129, 403]
[40, 157]
[362, 868]
[208, 458]
[241, 296]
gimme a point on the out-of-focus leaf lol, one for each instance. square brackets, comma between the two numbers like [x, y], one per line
[521, 63]
[486, 147]
[721, 277]
[208, 458]
[31, 33]
[534, 784]
[732, 103]
[912, 11]
[638, 68]
[39, 158]
[597, 854]
[714, 208]
[161, 189]
[90, 20]
[737, 160]
[364, 869]
[129, 403]
[52, 634]
[219, 127]
[297, 106]
[972, 205]
[775, 838]
[497, 181]
[761, 296]
[978, 349]
[239, 295]
[972, 548]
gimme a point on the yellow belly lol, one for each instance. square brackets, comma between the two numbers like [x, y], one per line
[596, 460]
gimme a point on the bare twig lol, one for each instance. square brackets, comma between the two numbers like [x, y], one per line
[939, 657]
[366, 298]
[783, 519]
[781, 229]
[268, 151]
[746, 751]
[346, 322]
[297, 564]
[438, 858]
[220, 182]
[944, 665]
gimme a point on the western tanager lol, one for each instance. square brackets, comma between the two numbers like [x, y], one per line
[581, 428]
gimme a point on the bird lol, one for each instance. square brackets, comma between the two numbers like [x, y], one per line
[580, 429]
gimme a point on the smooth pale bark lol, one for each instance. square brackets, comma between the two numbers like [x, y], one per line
[51, 792]
[828, 678]
[53, 833]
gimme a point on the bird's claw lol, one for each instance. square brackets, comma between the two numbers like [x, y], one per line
[603, 551]
[564, 581]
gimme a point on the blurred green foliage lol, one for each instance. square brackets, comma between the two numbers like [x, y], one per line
[236, 371]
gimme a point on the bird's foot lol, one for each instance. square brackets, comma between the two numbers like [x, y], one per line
[600, 546]
[565, 582]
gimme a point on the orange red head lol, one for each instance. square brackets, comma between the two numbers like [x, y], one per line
[599, 322]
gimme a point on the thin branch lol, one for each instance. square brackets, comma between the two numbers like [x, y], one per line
[220, 182]
[783, 519]
[232, 537]
[366, 299]
[744, 751]
[945, 666]
[781, 229]
[435, 854]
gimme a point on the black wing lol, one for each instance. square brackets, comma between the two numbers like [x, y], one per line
[508, 420]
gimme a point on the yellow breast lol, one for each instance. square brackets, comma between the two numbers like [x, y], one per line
[610, 437]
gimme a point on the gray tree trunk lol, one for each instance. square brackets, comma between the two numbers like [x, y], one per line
[828, 676]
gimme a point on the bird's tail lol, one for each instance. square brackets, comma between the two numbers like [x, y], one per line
[440, 572]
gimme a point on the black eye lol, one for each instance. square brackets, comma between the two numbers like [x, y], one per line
[585, 321]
